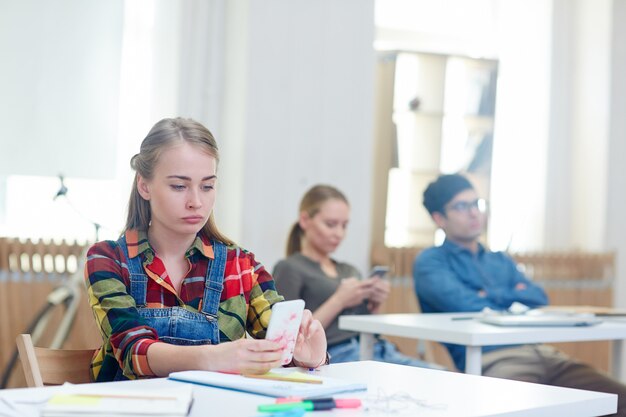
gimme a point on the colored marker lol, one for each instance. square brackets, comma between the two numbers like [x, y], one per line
[296, 412]
[312, 405]
[339, 402]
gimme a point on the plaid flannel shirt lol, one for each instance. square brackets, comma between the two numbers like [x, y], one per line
[245, 302]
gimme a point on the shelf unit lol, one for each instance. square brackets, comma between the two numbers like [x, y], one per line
[443, 110]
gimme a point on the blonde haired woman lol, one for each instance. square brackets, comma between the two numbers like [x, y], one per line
[173, 293]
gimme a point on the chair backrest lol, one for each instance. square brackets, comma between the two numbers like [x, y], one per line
[43, 366]
[402, 300]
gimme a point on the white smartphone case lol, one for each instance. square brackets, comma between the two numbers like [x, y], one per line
[284, 324]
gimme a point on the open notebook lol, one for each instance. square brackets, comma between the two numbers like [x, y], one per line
[325, 386]
[541, 320]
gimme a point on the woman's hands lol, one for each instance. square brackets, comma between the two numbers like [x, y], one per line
[246, 356]
[310, 350]
[352, 292]
[379, 291]
[257, 356]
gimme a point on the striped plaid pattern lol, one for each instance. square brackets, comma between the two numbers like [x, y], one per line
[245, 303]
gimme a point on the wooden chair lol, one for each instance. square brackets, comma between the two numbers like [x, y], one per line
[44, 366]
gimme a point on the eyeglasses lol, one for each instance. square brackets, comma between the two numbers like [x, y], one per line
[466, 206]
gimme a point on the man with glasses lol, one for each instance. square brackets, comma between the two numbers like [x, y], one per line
[462, 275]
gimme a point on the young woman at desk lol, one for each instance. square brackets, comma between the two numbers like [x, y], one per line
[331, 288]
[173, 293]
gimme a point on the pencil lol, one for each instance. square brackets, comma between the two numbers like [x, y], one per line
[284, 378]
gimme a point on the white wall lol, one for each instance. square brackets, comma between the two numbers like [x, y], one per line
[232, 135]
[558, 216]
[616, 198]
[522, 125]
[580, 114]
[308, 118]
[456, 27]
[59, 85]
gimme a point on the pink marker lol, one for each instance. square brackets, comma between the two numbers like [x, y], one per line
[347, 403]
[338, 402]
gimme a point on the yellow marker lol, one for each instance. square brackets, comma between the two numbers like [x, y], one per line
[291, 377]
[72, 399]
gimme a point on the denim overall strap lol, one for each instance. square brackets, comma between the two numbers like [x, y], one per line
[138, 278]
[214, 282]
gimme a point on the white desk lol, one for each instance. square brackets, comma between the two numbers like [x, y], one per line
[445, 327]
[456, 394]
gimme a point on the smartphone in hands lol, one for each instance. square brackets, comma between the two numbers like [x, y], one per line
[379, 271]
[284, 325]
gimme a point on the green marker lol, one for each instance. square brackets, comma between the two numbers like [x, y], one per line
[271, 408]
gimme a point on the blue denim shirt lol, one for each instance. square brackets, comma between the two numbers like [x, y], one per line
[448, 278]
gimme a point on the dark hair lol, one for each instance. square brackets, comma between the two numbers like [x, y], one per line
[311, 203]
[163, 135]
[442, 190]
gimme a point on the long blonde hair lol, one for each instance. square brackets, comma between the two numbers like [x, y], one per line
[162, 136]
[311, 203]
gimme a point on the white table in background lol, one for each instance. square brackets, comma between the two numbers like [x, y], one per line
[433, 394]
[462, 329]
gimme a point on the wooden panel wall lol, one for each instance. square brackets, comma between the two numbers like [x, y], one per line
[572, 278]
[576, 279]
[29, 271]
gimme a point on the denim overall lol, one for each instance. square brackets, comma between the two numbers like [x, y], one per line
[176, 325]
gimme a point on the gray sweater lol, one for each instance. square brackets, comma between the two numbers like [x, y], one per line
[301, 277]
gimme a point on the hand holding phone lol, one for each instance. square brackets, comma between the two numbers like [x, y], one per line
[380, 288]
[284, 326]
[379, 271]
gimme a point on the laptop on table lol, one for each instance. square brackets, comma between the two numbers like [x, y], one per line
[541, 320]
